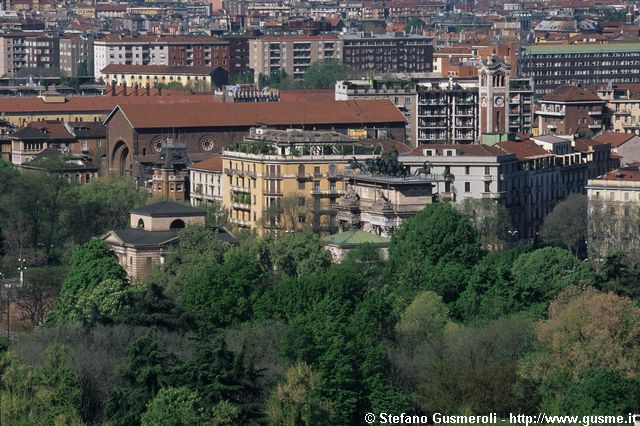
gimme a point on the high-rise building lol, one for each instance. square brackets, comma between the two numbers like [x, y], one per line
[292, 53]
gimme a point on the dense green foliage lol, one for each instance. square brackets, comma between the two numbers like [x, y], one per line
[270, 332]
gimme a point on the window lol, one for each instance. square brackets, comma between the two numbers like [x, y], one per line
[302, 218]
[487, 170]
[487, 187]
[467, 170]
[467, 187]
[316, 171]
[301, 202]
[301, 185]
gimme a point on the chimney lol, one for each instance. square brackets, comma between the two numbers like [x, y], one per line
[135, 89]
[148, 89]
[113, 87]
[159, 90]
[124, 88]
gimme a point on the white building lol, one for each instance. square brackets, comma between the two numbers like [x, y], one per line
[206, 181]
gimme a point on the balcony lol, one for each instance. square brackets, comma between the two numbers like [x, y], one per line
[325, 192]
[235, 188]
[493, 195]
[275, 192]
[240, 172]
[240, 222]
[304, 176]
[622, 112]
[240, 206]
[595, 112]
[488, 178]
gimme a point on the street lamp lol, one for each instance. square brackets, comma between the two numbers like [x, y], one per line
[21, 269]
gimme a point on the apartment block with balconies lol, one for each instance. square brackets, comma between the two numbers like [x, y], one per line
[284, 180]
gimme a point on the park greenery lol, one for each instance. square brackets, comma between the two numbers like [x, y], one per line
[269, 332]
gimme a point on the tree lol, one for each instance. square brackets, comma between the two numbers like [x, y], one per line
[299, 253]
[323, 74]
[182, 406]
[38, 295]
[489, 294]
[91, 264]
[437, 235]
[109, 299]
[490, 219]
[101, 205]
[473, 369]
[40, 396]
[216, 216]
[224, 380]
[413, 25]
[601, 392]
[566, 225]
[148, 369]
[290, 214]
[222, 295]
[297, 400]
[540, 275]
[619, 275]
[586, 330]
[199, 249]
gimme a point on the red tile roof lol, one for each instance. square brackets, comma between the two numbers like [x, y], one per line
[614, 138]
[624, 174]
[307, 95]
[55, 129]
[213, 164]
[98, 103]
[524, 150]
[571, 94]
[263, 113]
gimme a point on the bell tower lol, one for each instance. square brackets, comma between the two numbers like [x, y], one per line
[494, 95]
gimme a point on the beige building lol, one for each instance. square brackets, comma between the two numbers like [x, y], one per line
[74, 50]
[614, 213]
[283, 180]
[130, 75]
[153, 231]
[294, 53]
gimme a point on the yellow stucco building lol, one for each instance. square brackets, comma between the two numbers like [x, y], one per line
[285, 180]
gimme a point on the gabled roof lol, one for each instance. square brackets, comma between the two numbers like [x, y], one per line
[262, 113]
[614, 138]
[140, 237]
[524, 150]
[29, 133]
[572, 94]
[167, 209]
[213, 164]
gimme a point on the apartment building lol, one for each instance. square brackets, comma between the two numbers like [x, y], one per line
[283, 180]
[569, 110]
[388, 53]
[154, 50]
[529, 177]
[205, 178]
[20, 50]
[554, 65]
[614, 211]
[403, 94]
[447, 112]
[201, 78]
[623, 106]
[292, 53]
[74, 50]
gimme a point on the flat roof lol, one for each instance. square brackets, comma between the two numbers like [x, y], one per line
[582, 48]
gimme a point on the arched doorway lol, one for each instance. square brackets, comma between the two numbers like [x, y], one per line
[121, 159]
[177, 224]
